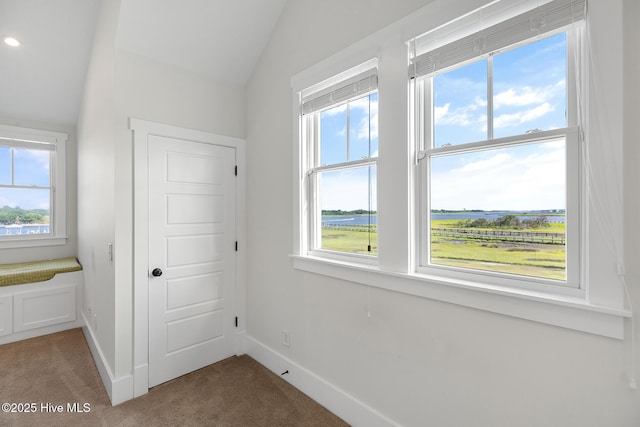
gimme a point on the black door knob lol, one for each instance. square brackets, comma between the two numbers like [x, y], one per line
[156, 272]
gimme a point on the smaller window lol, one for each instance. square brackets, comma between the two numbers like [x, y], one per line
[32, 203]
[340, 128]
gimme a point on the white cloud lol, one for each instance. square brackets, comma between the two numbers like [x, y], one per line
[486, 164]
[367, 128]
[525, 178]
[348, 189]
[527, 95]
[524, 96]
[25, 198]
[540, 100]
[362, 127]
[440, 112]
[524, 116]
[462, 116]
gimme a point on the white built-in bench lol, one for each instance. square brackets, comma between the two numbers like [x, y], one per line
[39, 298]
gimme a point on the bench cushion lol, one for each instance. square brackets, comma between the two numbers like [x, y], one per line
[36, 271]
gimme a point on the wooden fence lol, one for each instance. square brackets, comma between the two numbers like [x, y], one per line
[501, 235]
[364, 227]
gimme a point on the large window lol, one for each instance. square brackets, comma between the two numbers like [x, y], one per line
[499, 154]
[31, 200]
[498, 186]
[340, 125]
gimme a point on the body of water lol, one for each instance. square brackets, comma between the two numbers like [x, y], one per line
[493, 215]
[489, 216]
[13, 230]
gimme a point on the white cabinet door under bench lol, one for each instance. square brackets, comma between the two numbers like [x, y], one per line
[40, 308]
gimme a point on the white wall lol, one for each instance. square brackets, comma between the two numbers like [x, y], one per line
[121, 85]
[631, 13]
[418, 361]
[96, 189]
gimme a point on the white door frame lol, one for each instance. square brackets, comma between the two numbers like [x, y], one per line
[141, 130]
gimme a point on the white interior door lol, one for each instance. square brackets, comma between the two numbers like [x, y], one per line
[192, 246]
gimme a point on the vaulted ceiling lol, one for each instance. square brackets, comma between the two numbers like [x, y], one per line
[42, 80]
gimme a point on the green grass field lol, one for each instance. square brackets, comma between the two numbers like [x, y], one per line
[527, 259]
[537, 260]
[355, 242]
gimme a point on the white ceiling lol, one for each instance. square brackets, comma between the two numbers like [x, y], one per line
[43, 79]
[222, 39]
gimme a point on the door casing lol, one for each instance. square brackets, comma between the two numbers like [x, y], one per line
[141, 131]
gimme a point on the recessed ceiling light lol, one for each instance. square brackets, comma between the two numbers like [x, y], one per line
[11, 41]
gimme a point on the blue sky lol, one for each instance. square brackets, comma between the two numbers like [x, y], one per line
[529, 93]
[348, 189]
[30, 168]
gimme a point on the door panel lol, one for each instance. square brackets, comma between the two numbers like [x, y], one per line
[185, 333]
[194, 209]
[192, 240]
[187, 250]
[194, 290]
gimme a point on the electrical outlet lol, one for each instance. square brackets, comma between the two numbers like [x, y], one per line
[286, 338]
[95, 322]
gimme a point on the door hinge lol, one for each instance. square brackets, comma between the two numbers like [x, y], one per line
[236, 246]
[236, 170]
[236, 321]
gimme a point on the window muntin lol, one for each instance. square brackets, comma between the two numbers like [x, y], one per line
[487, 187]
[511, 92]
[348, 131]
[343, 145]
[25, 190]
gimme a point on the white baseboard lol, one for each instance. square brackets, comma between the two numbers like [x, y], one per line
[118, 389]
[339, 402]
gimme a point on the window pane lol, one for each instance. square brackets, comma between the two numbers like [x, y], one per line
[333, 135]
[347, 201]
[530, 87]
[349, 131]
[31, 167]
[501, 210]
[5, 166]
[460, 105]
[24, 211]
[363, 125]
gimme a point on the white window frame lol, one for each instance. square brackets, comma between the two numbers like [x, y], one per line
[600, 309]
[574, 180]
[56, 141]
[309, 123]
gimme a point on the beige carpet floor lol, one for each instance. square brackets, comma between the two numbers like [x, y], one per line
[57, 372]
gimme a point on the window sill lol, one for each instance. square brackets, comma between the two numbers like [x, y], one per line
[558, 310]
[31, 242]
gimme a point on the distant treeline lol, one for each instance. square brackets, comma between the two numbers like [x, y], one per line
[540, 212]
[507, 221]
[17, 215]
[458, 211]
[341, 212]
